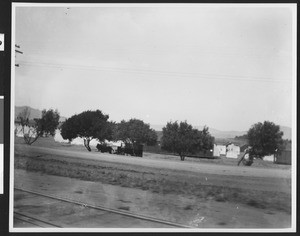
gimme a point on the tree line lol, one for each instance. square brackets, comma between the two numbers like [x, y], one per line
[180, 138]
[177, 137]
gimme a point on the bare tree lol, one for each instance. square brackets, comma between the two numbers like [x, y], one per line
[27, 131]
[33, 129]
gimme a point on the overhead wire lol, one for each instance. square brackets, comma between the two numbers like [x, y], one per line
[153, 72]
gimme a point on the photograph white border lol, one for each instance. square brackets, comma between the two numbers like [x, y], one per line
[292, 6]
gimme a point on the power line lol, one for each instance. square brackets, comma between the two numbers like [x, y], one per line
[154, 72]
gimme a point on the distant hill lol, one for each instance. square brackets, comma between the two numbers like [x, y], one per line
[223, 134]
[287, 132]
[159, 135]
[214, 132]
[218, 134]
[34, 113]
[157, 127]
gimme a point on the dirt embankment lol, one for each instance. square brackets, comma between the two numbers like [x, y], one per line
[258, 192]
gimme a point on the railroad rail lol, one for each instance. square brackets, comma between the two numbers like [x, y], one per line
[34, 221]
[44, 223]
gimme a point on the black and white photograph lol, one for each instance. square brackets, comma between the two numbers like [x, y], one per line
[165, 117]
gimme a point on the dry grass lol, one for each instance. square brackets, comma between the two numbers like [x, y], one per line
[151, 179]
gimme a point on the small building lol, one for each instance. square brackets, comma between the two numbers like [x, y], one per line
[228, 149]
[219, 150]
[284, 157]
[232, 151]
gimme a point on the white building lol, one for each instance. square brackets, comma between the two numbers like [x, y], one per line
[232, 151]
[229, 150]
[219, 150]
[269, 158]
[76, 141]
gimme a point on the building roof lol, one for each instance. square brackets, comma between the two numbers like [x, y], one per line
[225, 143]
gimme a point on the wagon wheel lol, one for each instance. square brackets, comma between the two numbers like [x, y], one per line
[246, 159]
[248, 162]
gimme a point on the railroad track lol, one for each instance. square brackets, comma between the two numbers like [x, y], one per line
[33, 221]
[37, 221]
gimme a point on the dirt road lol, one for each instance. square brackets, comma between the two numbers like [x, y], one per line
[166, 164]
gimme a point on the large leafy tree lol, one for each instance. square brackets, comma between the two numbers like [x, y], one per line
[183, 139]
[46, 125]
[180, 138]
[206, 141]
[264, 138]
[135, 131]
[87, 125]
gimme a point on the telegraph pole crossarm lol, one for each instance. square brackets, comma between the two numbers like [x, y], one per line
[17, 51]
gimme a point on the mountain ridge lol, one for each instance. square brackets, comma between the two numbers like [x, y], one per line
[287, 132]
[34, 113]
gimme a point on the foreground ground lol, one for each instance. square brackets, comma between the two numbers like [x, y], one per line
[199, 193]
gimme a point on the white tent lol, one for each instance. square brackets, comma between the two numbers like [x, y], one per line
[79, 141]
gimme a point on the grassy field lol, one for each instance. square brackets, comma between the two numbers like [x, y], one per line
[163, 181]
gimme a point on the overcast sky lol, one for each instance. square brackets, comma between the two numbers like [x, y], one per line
[225, 67]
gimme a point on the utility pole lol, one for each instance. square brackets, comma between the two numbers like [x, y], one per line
[17, 51]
